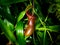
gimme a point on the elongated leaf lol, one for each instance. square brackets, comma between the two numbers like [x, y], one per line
[8, 2]
[54, 28]
[9, 24]
[7, 32]
[21, 15]
[44, 39]
[20, 33]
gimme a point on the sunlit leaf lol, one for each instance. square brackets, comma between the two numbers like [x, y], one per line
[9, 24]
[21, 15]
[20, 33]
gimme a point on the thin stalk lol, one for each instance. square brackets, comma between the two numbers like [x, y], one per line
[33, 8]
[44, 40]
[50, 36]
[34, 40]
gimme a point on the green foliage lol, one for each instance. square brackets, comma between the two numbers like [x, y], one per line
[20, 33]
[7, 31]
[9, 25]
[4, 13]
[13, 21]
[21, 15]
[8, 2]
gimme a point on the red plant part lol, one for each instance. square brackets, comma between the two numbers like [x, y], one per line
[31, 24]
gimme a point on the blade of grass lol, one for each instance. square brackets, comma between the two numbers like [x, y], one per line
[44, 39]
[50, 36]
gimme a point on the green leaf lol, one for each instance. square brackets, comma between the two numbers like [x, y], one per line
[9, 24]
[20, 33]
[21, 15]
[7, 32]
[8, 2]
[54, 28]
[44, 39]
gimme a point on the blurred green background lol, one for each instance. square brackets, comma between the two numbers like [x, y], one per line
[13, 21]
